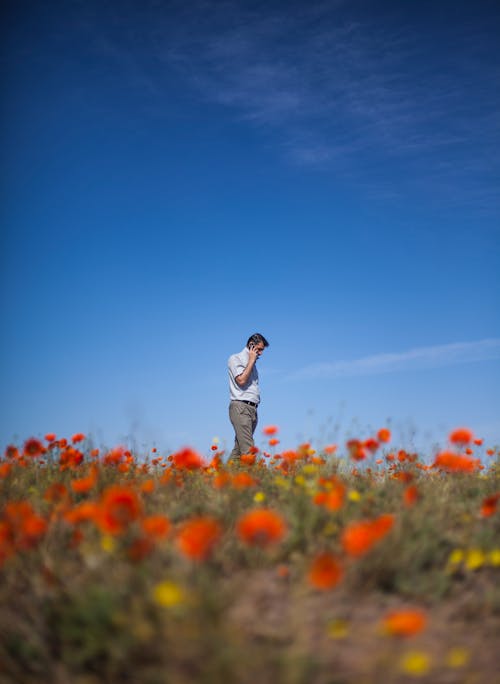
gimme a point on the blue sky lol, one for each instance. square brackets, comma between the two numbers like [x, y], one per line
[177, 176]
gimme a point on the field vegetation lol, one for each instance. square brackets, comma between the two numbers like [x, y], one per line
[359, 563]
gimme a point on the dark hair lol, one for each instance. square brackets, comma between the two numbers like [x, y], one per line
[256, 338]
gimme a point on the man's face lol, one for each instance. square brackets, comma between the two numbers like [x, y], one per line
[258, 348]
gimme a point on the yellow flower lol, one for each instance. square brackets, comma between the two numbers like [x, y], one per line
[310, 469]
[282, 482]
[338, 629]
[457, 657]
[494, 558]
[354, 495]
[456, 557]
[168, 594]
[259, 497]
[475, 559]
[300, 480]
[416, 663]
[108, 544]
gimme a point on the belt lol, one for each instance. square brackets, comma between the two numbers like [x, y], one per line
[250, 403]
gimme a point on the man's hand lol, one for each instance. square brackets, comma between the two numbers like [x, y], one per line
[253, 354]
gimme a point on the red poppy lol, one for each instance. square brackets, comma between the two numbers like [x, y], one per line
[455, 463]
[359, 537]
[33, 448]
[270, 430]
[156, 526]
[489, 505]
[261, 527]
[85, 484]
[119, 506]
[187, 459]
[405, 623]
[248, 459]
[325, 572]
[243, 480]
[384, 435]
[411, 495]
[461, 436]
[197, 537]
[78, 437]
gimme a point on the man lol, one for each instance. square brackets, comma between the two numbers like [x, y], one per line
[244, 393]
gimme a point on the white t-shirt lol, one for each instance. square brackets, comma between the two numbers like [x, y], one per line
[236, 365]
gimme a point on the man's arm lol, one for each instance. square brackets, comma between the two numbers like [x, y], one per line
[243, 377]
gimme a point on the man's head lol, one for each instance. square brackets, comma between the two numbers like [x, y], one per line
[257, 342]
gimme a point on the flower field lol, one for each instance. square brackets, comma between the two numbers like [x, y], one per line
[359, 563]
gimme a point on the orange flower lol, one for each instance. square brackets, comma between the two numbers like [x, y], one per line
[187, 459]
[270, 430]
[221, 480]
[411, 495]
[359, 537]
[115, 456]
[70, 457]
[325, 572]
[356, 449]
[119, 507]
[261, 527]
[156, 526]
[384, 435]
[404, 623]
[371, 444]
[22, 527]
[248, 459]
[273, 441]
[85, 484]
[197, 537]
[489, 505]
[403, 476]
[88, 510]
[78, 437]
[461, 436]
[33, 448]
[11, 452]
[147, 486]
[330, 449]
[478, 442]
[50, 436]
[455, 463]
[333, 499]
[242, 480]
[5, 469]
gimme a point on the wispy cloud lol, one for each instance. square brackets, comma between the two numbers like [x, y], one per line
[413, 359]
[371, 95]
[341, 86]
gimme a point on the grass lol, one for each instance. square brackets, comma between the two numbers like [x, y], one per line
[115, 568]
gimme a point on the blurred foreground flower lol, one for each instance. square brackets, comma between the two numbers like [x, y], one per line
[416, 663]
[168, 594]
[261, 527]
[270, 430]
[404, 623]
[359, 537]
[461, 436]
[325, 572]
[197, 537]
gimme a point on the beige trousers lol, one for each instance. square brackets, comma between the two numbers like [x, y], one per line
[244, 420]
